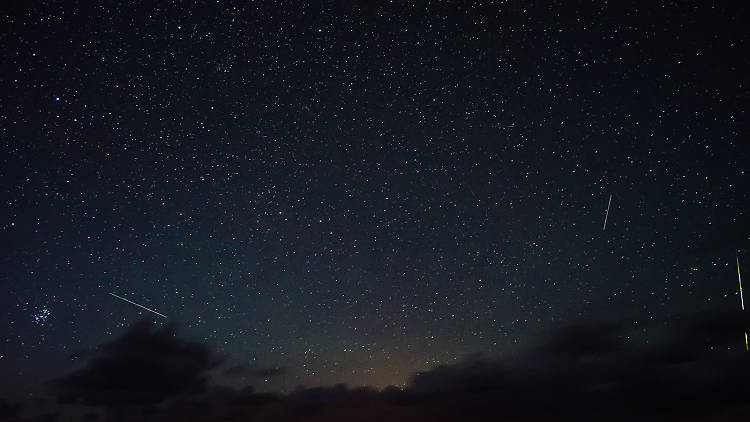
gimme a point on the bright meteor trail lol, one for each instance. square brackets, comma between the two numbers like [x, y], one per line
[739, 278]
[130, 301]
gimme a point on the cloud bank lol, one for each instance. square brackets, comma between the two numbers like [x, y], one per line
[697, 371]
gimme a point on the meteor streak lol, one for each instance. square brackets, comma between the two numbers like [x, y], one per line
[739, 278]
[141, 306]
[607, 214]
[742, 299]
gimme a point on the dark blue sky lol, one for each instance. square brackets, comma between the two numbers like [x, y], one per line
[356, 191]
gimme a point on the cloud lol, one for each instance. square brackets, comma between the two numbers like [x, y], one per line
[247, 370]
[268, 372]
[143, 366]
[696, 371]
[8, 409]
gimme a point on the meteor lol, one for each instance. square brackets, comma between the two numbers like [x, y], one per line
[742, 299]
[141, 306]
[607, 214]
[739, 278]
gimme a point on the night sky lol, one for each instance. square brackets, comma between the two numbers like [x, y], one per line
[352, 192]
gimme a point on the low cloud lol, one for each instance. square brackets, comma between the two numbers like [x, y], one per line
[247, 370]
[696, 371]
[144, 366]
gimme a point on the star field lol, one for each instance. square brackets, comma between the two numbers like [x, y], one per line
[357, 191]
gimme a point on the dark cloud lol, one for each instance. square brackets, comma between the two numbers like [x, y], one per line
[696, 371]
[247, 370]
[9, 409]
[237, 370]
[145, 365]
[268, 372]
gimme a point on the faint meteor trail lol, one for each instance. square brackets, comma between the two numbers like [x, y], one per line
[607, 214]
[742, 299]
[136, 304]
